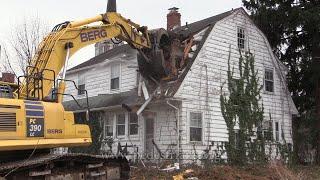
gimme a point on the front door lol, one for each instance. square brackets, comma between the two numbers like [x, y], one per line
[149, 136]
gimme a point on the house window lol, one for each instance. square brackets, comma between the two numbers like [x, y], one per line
[121, 124]
[133, 124]
[241, 38]
[195, 126]
[101, 49]
[277, 131]
[267, 130]
[268, 80]
[115, 76]
[236, 138]
[108, 126]
[234, 83]
[81, 84]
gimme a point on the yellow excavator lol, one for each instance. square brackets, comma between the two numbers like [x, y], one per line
[32, 116]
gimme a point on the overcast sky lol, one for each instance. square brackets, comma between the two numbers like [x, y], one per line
[151, 13]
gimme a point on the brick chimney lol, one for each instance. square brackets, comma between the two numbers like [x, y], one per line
[7, 77]
[173, 19]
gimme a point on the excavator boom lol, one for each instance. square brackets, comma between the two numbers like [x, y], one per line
[66, 39]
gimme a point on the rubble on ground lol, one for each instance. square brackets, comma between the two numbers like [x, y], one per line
[226, 172]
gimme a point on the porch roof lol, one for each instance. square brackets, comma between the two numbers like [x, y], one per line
[105, 100]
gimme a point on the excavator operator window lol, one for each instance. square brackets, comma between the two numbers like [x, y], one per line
[6, 91]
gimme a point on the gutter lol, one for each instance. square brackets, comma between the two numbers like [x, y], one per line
[178, 128]
[99, 109]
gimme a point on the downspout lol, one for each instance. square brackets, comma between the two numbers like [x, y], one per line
[178, 128]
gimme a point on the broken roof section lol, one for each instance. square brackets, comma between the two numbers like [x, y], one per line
[185, 45]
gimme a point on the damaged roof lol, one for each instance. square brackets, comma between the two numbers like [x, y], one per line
[131, 97]
[105, 100]
[102, 57]
[186, 31]
[190, 30]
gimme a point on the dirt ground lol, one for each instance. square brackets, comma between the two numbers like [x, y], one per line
[273, 172]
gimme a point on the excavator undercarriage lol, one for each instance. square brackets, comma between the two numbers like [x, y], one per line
[67, 166]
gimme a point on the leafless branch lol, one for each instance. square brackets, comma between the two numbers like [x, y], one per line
[23, 44]
[7, 66]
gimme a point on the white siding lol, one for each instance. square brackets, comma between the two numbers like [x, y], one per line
[214, 56]
[165, 133]
[98, 77]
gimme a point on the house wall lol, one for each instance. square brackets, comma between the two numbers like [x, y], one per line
[201, 87]
[97, 77]
[165, 134]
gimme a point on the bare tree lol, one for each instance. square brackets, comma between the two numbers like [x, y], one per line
[6, 65]
[22, 45]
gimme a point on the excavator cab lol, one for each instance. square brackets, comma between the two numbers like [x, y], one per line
[7, 89]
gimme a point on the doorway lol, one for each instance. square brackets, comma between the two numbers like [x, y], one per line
[149, 136]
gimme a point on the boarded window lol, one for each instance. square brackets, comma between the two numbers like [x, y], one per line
[115, 76]
[268, 80]
[195, 126]
[133, 124]
[108, 126]
[81, 84]
[241, 38]
[121, 125]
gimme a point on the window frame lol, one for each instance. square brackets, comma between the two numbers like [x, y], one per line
[277, 131]
[244, 38]
[236, 138]
[267, 130]
[81, 82]
[117, 124]
[266, 81]
[190, 126]
[109, 118]
[132, 124]
[118, 77]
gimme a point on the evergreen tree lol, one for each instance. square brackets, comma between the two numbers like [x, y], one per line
[293, 29]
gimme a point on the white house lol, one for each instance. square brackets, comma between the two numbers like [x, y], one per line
[184, 115]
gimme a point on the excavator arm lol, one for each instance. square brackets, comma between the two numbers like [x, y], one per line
[66, 39]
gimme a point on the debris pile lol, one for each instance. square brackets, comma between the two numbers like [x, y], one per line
[168, 58]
